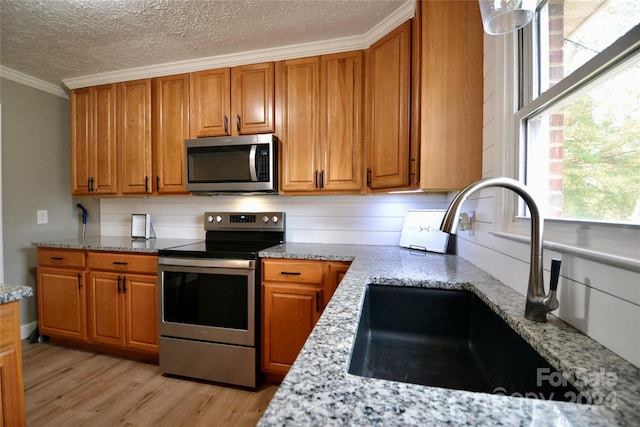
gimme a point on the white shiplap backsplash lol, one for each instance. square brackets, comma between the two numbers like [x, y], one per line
[369, 220]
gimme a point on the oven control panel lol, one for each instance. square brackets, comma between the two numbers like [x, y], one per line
[244, 221]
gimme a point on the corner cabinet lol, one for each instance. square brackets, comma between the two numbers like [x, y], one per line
[320, 111]
[12, 410]
[111, 139]
[102, 301]
[294, 295]
[391, 160]
[232, 101]
[450, 94]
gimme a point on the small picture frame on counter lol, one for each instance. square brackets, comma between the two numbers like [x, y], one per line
[141, 226]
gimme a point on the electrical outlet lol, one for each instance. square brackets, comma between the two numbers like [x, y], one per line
[43, 217]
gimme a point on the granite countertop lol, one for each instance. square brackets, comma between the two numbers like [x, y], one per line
[117, 244]
[319, 391]
[10, 293]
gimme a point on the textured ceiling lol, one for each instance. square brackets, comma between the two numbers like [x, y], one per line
[53, 40]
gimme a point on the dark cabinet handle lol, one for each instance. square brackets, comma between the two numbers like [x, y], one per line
[316, 179]
[90, 185]
[119, 288]
[368, 177]
[157, 182]
[226, 124]
[322, 179]
[56, 258]
[291, 273]
[79, 281]
[120, 263]
[238, 122]
[318, 301]
[146, 184]
[124, 285]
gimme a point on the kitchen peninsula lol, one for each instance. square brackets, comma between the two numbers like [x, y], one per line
[12, 412]
[318, 390]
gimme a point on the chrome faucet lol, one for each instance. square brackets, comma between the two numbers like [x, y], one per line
[538, 304]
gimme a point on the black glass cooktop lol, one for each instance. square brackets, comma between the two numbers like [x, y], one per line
[221, 250]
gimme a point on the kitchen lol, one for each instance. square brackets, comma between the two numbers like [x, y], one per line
[370, 220]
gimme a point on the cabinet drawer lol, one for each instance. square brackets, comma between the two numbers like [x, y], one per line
[121, 262]
[61, 258]
[292, 271]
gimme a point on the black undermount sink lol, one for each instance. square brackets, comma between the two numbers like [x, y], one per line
[449, 339]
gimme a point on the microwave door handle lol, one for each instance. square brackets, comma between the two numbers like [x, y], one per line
[252, 163]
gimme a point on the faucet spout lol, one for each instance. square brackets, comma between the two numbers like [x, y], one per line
[538, 303]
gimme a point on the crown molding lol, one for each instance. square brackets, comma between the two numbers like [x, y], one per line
[406, 11]
[33, 82]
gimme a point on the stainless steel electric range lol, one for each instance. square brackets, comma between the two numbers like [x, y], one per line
[209, 298]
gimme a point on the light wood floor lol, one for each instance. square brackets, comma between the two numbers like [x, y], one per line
[68, 387]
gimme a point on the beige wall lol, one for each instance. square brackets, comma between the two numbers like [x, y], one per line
[35, 176]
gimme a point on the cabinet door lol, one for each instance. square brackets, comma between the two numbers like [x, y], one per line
[451, 95]
[335, 272]
[210, 104]
[11, 389]
[170, 129]
[290, 312]
[106, 308]
[12, 412]
[252, 98]
[135, 136]
[388, 95]
[341, 118]
[141, 302]
[104, 140]
[80, 140]
[61, 303]
[298, 112]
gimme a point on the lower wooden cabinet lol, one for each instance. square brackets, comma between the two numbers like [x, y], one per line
[99, 299]
[294, 294]
[12, 412]
[123, 310]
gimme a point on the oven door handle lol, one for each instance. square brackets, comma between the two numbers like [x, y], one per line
[207, 262]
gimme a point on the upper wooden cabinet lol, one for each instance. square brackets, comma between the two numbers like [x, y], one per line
[93, 140]
[451, 94]
[170, 126]
[252, 98]
[319, 114]
[389, 154]
[134, 137]
[111, 139]
[210, 103]
[232, 101]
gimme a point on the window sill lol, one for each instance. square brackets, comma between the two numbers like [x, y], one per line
[601, 257]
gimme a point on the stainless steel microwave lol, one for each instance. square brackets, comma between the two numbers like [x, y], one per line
[234, 164]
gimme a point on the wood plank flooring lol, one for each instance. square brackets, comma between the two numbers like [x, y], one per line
[69, 387]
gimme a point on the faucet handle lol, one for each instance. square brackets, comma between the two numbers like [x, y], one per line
[555, 274]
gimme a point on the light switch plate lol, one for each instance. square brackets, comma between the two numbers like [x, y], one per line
[42, 217]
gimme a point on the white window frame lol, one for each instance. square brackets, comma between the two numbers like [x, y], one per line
[613, 244]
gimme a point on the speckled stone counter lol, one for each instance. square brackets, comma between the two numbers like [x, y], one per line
[10, 293]
[117, 244]
[318, 391]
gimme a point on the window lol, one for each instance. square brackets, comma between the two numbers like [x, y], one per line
[580, 109]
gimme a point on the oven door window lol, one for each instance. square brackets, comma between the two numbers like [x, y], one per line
[220, 164]
[206, 299]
